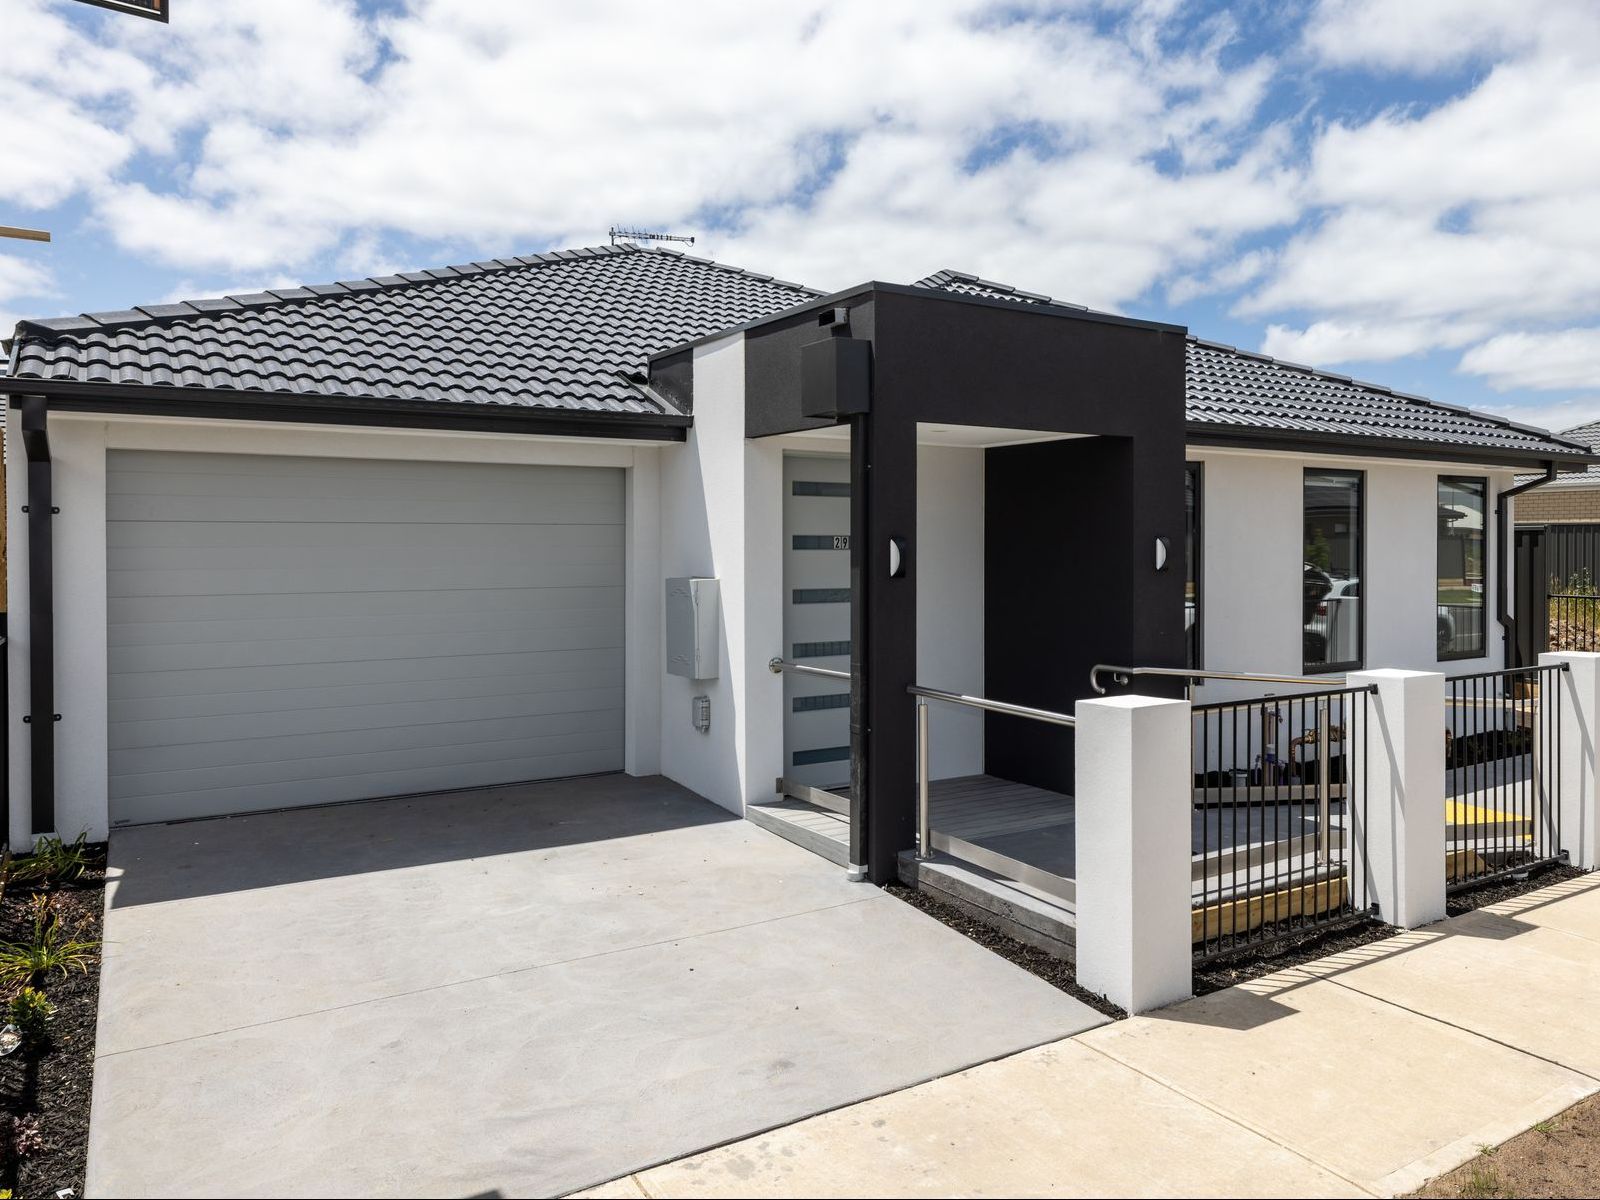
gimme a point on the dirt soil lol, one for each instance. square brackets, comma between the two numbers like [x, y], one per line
[1057, 972]
[50, 1091]
[1557, 1158]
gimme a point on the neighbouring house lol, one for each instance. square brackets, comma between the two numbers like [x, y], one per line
[441, 530]
[1558, 555]
[1572, 499]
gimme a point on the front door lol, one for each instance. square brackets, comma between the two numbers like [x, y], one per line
[816, 618]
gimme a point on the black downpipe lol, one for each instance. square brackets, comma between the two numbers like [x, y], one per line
[41, 716]
[1502, 554]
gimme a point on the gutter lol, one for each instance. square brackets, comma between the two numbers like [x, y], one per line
[1290, 441]
[221, 404]
[1502, 554]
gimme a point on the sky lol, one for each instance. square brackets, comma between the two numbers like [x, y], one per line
[1406, 191]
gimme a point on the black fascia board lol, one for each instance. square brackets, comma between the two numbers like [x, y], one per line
[874, 287]
[1206, 433]
[222, 404]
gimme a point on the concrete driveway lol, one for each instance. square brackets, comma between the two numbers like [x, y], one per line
[513, 992]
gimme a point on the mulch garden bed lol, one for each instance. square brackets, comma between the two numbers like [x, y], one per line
[45, 1087]
[1508, 888]
[1057, 972]
[1217, 974]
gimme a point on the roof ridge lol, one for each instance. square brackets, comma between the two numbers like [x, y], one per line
[1383, 390]
[939, 278]
[141, 315]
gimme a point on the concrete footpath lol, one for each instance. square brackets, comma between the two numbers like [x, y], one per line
[1366, 1073]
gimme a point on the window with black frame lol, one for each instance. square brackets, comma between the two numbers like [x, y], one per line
[1459, 618]
[1193, 638]
[1333, 634]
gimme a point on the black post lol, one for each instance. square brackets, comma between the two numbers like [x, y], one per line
[41, 618]
[860, 482]
[890, 621]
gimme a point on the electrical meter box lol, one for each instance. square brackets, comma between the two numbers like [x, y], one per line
[692, 649]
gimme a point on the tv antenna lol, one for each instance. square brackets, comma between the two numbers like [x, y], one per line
[640, 235]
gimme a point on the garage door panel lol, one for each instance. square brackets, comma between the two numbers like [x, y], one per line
[291, 773]
[295, 631]
[472, 687]
[247, 509]
[260, 541]
[283, 722]
[181, 805]
[425, 624]
[442, 603]
[395, 672]
[266, 581]
[502, 493]
[257, 743]
[283, 651]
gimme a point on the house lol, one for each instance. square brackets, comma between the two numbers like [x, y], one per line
[1558, 551]
[1574, 498]
[440, 530]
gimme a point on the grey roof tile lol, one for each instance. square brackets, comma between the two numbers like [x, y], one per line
[547, 331]
[570, 329]
[1226, 386]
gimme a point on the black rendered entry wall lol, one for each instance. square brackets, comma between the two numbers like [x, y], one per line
[1067, 584]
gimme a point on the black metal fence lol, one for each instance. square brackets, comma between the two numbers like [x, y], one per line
[1572, 550]
[1573, 623]
[1279, 812]
[1502, 773]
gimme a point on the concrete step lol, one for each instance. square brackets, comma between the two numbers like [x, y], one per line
[799, 824]
[1013, 908]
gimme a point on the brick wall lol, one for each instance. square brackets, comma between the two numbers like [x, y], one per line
[1559, 505]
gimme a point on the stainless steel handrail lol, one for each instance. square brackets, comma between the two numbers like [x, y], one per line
[780, 665]
[1125, 675]
[998, 706]
[923, 695]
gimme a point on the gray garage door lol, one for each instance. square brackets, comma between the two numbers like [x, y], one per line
[290, 631]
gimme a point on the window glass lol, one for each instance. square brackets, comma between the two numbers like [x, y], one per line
[1331, 610]
[1460, 567]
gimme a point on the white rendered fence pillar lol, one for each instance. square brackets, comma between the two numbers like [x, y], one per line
[1398, 859]
[1132, 803]
[1576, 775]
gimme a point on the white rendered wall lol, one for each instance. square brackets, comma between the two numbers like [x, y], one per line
[79, 443]
[721, 516]
[950, 601]
[1252, 525]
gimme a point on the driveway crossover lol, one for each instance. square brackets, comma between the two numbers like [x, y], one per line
[520, 991]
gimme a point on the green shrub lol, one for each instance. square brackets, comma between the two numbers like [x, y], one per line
[31, 1013]
[49, 948]
[54, 863]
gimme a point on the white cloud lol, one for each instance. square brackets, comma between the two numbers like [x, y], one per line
[20, 279]
[1565, 414]
[1333, 342]
[1568, 358]
[1098, 150]
[1435, 228]
[59, 135]
[841, 136]
[1424, 36]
